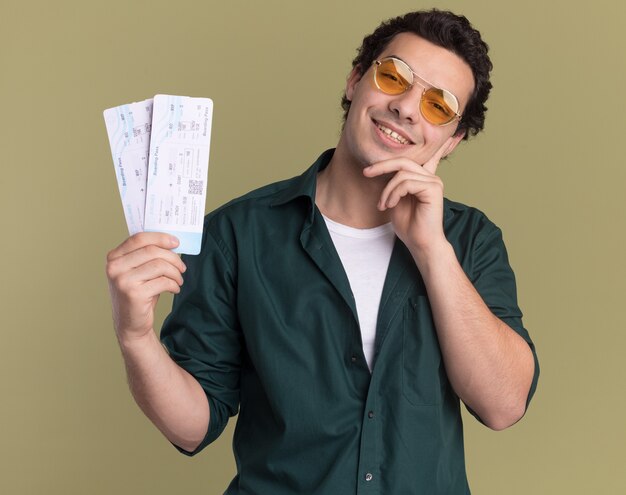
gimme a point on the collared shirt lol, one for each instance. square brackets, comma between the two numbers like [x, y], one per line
[266, 322]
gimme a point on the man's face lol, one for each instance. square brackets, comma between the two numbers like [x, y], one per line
[364, 140]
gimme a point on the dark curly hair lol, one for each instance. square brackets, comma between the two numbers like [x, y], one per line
[447, 30]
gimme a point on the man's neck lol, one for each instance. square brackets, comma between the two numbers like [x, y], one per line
[346, 196]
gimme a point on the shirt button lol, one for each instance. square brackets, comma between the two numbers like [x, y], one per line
[370, 414]
[353, 359]
[369, 477]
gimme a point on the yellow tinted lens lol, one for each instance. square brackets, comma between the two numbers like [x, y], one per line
[392, 78]
[438, 106]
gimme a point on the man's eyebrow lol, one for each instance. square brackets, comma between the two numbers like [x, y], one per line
[408, 65]
[417, 75]
[399, 58]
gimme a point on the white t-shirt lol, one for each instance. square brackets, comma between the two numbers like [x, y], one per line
[365, 255]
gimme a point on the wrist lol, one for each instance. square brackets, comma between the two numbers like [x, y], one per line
[430, 254]
[129, 342]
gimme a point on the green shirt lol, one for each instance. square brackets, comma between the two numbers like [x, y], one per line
[267, 324]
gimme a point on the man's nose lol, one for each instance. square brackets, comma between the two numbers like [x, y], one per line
[407, 105]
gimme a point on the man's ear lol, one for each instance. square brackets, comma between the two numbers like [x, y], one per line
[454, 142]
[353, 79]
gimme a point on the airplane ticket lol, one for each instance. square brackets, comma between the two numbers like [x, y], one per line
[178, 167]
[128, 127]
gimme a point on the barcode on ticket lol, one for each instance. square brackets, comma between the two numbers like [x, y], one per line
[196, 186]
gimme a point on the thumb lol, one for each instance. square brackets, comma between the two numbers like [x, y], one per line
[445, 149]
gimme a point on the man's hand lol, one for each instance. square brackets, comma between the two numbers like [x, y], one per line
[139, 270]
[415, 197]
[489, 365]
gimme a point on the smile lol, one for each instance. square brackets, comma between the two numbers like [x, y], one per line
[392, 134]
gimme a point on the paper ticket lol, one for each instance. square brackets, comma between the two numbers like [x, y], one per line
[128, 127]
[177, 168]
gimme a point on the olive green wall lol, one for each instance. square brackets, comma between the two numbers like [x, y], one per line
[549, 169]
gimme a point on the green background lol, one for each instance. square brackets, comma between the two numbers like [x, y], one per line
[549, 169]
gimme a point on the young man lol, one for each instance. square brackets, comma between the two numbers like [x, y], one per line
[344, 312]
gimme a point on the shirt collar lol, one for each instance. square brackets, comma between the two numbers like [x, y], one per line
[305, 186]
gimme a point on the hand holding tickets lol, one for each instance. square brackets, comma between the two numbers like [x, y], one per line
[160, 151]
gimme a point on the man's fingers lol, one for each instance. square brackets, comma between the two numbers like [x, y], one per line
[392, 165]
[138, 285]
[157, 268]
[160, 285]
[404, 183]
[149, 271]
[450, 143]
[397, 164]
[143, 239]
[141, 256]
[404, 189]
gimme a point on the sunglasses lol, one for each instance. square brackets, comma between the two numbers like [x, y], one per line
[394, 77]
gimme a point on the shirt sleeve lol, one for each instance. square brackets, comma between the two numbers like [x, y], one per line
[202, 333]
[494, 280]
